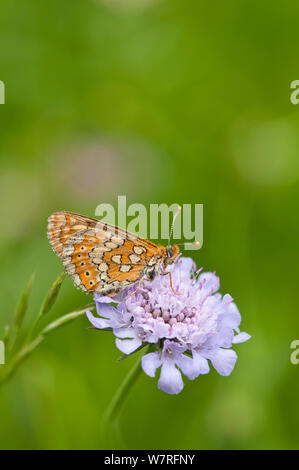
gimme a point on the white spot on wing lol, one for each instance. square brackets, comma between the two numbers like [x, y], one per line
[77, 279]
[117, 240]
[138, 250]
[125, 268]
[152, 261]
[134, 258]
[116, 259]
[103, 267]
[71, 269]
[99, 250]
[66, 261]
[111, 245]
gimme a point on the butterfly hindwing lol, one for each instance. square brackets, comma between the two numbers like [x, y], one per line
[98, 257]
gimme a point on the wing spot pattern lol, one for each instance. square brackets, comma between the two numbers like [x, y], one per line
[134, 258]
[125, 268]
[103, 267]
[100, 257]
[116, 259]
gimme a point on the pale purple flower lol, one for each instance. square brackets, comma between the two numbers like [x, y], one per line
[186, 331]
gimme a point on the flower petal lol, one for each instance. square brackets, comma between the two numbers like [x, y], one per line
[200, 362]
[222, 339]
[122, 295]
[105, 310]
[170, 379]
[241, 337]
[99, 323]
[173, 347]
[125, 333]
[208, 282]
[232, 318]
[127, 346]
[110, 313]
[130, 341]
[103, 299]
[150, 363]
[223, 360]
[188, 366]
[187, 266]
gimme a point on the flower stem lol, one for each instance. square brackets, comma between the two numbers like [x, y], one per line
[111, 435]
[117, 401]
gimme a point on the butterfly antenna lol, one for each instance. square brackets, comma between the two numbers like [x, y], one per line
[175, 216]
[189, 243]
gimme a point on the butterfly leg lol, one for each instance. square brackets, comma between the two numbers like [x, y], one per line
[171, 285]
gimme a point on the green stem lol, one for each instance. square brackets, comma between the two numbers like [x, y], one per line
[117, 401]
[111, 435]
[46, 305]
[28, 348]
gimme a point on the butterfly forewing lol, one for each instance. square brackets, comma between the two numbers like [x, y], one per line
[99, 257]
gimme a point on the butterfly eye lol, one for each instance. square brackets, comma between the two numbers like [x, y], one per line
[82, 264]
[87, 273]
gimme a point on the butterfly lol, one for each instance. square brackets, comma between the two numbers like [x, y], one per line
[104, 259]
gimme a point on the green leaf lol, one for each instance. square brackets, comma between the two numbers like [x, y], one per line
[7, 334]
[28, 348]
[23, 303]
[51, 295]
[20, 357]
[61, 321]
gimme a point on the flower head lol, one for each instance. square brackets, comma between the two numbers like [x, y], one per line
[186, 330]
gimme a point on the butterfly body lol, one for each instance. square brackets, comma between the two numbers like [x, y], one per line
[102, 258]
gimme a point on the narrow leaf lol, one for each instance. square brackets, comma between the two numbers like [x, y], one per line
[7, 334]
[23, 303]
[61, 321]
[30, 347]
[51, 296]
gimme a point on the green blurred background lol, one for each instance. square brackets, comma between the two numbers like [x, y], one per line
[163, 101]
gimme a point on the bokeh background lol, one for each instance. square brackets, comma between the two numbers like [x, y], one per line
[163, 101]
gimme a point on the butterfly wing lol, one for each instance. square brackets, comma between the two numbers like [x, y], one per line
[97, 256]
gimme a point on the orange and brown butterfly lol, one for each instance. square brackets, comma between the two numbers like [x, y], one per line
[102, 258]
